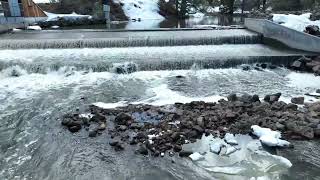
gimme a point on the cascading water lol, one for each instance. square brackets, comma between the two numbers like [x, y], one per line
[146, 58]
[38, 86]
[89, 39]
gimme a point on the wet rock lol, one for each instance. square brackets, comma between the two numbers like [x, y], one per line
[93, 133]
[123, 119]
[74, 129]
[272, 98]
[136, 126]
[177, 148]
[297, 65]
[122, 128]
[280, 126]
[264, 66]
[142, 150]
[318, 91]
[113, 143]
[306, 132]
[102, 126]
[246, 98]
[291, 106]
[200, 121]
[184, 153]
[98, 118]
[255, 98]
[297, 100]
[232, 97]
[175, 136]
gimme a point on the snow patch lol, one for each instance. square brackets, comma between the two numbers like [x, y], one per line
[36, 28]
[296, 22]
[140, 9]
[72, 16]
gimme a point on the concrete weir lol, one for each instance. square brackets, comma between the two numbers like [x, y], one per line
[101, 39]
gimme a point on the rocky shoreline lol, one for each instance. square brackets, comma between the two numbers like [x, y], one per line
[165, 129]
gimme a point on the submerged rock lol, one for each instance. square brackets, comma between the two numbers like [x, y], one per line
[297, 100]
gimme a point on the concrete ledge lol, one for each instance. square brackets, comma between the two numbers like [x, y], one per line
[290, 37]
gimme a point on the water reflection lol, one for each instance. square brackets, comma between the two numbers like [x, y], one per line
[217, 20]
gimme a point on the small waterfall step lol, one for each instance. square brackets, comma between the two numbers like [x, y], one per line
[145, 58]
[100, 39]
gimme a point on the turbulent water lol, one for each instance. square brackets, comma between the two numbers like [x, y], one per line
[35, 146]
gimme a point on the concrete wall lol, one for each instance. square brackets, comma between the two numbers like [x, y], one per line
[289, 37]
[8, 23]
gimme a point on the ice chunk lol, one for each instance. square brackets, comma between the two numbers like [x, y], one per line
[269, 137]
[216, 147]
[231, 150]
[196, 156]
[230, 139]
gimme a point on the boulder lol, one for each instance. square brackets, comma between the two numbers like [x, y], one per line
[232, 97]
[297, 65]
[184, 153]
[123, 119]
[297, 100]
[312, 29]
[318, 91]
[142, 150]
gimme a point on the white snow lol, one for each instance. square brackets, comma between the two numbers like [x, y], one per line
[36, 28]
[196, 156]
[72, 16]
[297, 22]
[269, 137]
[140, 9]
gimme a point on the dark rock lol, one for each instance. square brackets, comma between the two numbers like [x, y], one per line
[123, 119]
[307, 132]
[246, 98]
[142, 150]
[74, 129]
[264, 66]
[318, 91]
[113, 143]
[136, 126]
[297, 100]
[280, 126]
[198, 129]
[291, 106]
[232, 97]
[184, 153]
[272, 98]
[98, 118]
[177, 148]
[312, 29]
[200, 121]
[93, 133]
[175, 136]
[119, 147]
[255, 98]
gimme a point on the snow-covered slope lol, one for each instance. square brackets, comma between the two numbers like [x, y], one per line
[297, 22]
[143, 9]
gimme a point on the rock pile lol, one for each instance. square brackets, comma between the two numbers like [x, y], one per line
[307, 65]
[157, 130]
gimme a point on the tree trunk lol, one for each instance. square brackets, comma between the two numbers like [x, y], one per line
[229, 4]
